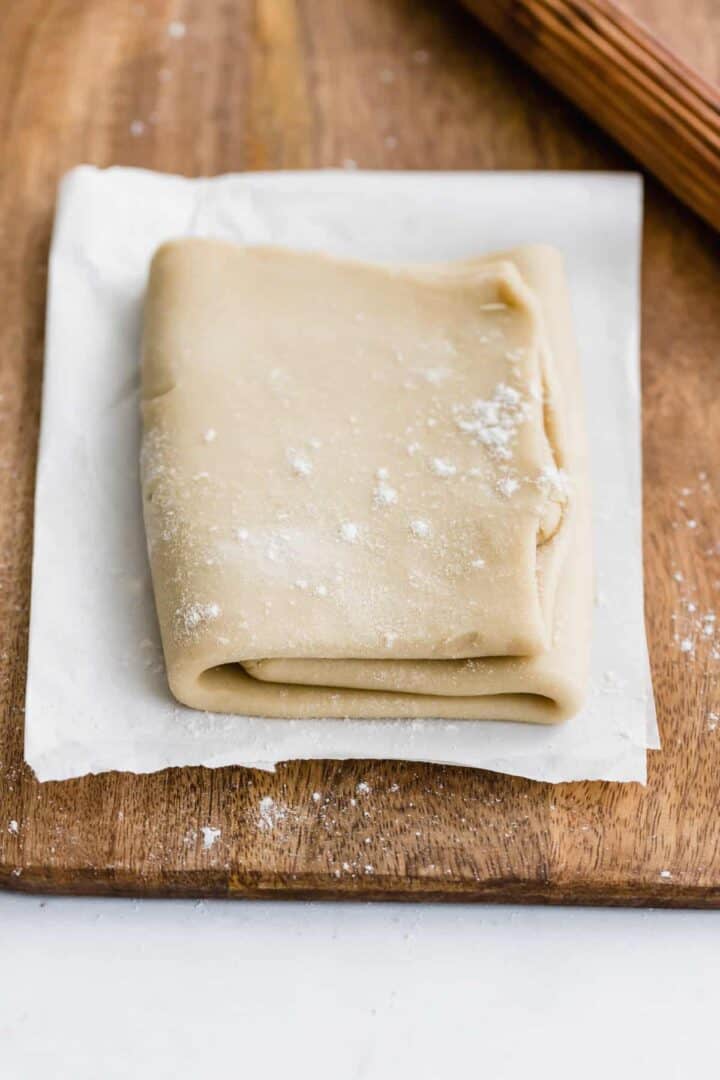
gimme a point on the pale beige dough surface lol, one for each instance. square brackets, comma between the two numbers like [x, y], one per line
[365, 487]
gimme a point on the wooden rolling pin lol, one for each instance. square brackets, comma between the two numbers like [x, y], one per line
[606, 62]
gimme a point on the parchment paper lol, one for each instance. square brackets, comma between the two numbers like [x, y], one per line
[96, 697]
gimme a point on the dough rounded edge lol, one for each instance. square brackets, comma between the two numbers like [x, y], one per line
[236, 692]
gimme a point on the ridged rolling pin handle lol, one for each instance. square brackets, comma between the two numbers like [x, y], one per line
[612, 67]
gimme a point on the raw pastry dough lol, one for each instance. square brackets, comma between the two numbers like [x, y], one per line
[365, 487]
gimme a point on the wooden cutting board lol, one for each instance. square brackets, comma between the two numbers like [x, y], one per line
[208, 86]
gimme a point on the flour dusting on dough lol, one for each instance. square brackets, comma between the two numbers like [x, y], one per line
[191, 617]
[349, 531]
[384, 494]
[299, 464]
[442, 467]
[420, 528]
[494, 422]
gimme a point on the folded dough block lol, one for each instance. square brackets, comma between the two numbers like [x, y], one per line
[365, 486]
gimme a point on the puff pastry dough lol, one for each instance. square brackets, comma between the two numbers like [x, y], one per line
[364, 486]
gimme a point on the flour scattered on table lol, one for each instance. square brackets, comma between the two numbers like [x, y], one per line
[13, 828]
[209, 835]
[696, 633]
[270, 814]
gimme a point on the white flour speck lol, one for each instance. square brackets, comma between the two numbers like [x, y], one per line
[316, 796]
[13, 828]
[209, 435]
[176, 29]
[137, 128]
[477, 564]
[363, 788]
[192, 616]
[210, 835]
[553, 482]
[299, 464]
[686, 645]
[349, 531]
[494, 422]
[436, 375]
[420, 528]
[665, 875]
[320, 590]
[442, 467]
[270, 814]
[384, 494]
[507, 486]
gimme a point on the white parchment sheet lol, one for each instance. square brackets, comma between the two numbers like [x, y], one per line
[97, 698]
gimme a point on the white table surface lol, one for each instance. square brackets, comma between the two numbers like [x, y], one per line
[132, 989]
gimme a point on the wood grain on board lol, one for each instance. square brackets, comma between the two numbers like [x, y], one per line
[210, 86]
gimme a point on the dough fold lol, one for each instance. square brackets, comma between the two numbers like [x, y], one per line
[364, 486]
